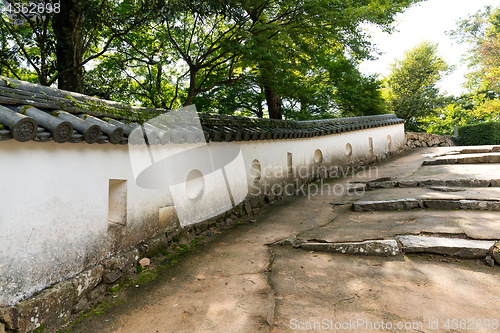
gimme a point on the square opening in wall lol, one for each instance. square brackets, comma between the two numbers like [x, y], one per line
[117, 206]
[289, 162]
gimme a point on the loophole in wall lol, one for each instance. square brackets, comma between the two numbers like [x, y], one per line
[318, 156]
[195, 184]
[255, 170]
[348, 149]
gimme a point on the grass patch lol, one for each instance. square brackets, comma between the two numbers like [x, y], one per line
[179, 251]
[145, 276]
[99, 308]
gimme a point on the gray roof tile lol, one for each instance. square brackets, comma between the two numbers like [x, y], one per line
[32, 112]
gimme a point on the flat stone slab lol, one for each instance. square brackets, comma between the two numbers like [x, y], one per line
[356, 227]
[381, 248]
[455, 171]
[420, 193]
[447, 189]
[400, 204]
[479, 150]
[480, 205]
[453, 247]
[465, 159]
[481, 225]
[443, 185]
[409, 203]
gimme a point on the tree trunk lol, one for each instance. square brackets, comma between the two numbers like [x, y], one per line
[68, 28]
[159, 90]
[260, 100]
[273, 103]
[259, 113]
[192, 86]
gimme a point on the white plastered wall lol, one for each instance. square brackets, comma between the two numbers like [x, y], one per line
[54, 199]
[273, 155]
[54, 211]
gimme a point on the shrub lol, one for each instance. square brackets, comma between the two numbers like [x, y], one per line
[480, 134]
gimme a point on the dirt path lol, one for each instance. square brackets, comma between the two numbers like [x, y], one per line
[223, 287]
[358, 294]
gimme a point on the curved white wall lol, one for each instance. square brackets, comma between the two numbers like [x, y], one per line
[55, 198]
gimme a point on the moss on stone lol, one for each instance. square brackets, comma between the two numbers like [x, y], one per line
[24, 108]
[39, 329]
[145, 276]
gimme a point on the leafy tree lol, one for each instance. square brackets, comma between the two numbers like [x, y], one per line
[356, 94]
[296, 58]
[244, 97]
[313, 93]
[305, 55]
[244, 56]
[468, 109]
[57, 43]
[482, 32]
[137, 71]
[450, 116]
[31, 42]
[411, 85]
[189, 48]
[305, 37]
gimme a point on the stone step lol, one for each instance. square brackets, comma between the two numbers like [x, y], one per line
[474, 151]
[453, 247]
[380, 248]
[444, 172]
[480, 150]
[407, 183]
[357, 227]
[383, 205]
[432, 192]
[460, 159]
[410, 203]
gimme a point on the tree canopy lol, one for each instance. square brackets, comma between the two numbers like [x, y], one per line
[292, 58]
[411, 85]
[481, 31]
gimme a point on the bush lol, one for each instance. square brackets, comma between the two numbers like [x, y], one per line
[480, 134]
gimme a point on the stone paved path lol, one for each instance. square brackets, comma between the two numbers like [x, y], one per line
[238, 281]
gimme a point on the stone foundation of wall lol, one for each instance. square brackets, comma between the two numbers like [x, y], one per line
[417, 140]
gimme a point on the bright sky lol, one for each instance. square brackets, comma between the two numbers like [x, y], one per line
[427, 21]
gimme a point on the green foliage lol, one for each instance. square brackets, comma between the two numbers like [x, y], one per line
[310, 61]
[482, 104]
[468, 109]
[481, 31]
[145, 276]
[359, 95]
[29, 45]
[480, 134]
[225, 56]
[411, 86]
[26, 40]
[179, 251]
[444, 123]
[39, 329]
